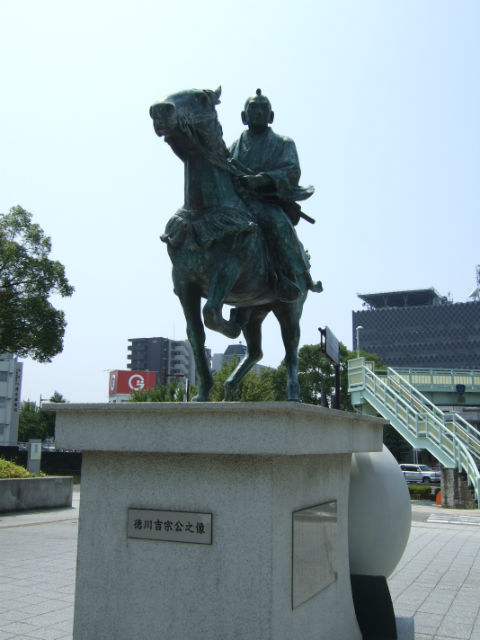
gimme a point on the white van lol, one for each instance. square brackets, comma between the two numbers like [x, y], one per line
[419, 473]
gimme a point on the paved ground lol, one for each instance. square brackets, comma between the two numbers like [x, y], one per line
[437, 581]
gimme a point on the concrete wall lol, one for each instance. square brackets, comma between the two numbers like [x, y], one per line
[20, 494]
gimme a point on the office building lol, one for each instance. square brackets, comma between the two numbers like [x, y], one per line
[419, 329]
[170, 359]
[237, 351]
[10, 390]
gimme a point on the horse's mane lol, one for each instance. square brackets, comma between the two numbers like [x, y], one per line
[205, 132]
[210, 135]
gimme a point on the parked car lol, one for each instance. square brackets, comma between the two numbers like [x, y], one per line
[429, 474]
[419, 473]
[411, 472]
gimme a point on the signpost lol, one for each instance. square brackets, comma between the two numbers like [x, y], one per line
[330, 346]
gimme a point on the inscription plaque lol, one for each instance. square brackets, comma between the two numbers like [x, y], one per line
[35, 450]
[170, 526]
[314, 553]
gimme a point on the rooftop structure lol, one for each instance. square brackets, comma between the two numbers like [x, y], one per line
[419, 328]
[408, 298]
[233, 350]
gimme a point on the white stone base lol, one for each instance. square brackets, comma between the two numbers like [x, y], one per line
[251, 465]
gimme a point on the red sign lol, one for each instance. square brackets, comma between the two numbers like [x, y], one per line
[128, 381]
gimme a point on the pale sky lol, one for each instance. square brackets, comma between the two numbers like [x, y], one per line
[382, 98]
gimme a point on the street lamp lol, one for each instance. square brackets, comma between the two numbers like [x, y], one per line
[357, 331]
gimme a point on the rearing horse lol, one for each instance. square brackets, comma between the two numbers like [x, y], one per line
[217, 250]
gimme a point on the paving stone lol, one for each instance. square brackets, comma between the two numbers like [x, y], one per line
[427, 623]
[437, 581]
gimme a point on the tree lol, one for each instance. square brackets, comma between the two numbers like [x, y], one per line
[173, 391]
[32, 423]
[253, 388]
[316, 375]
[29, 324]
[36, 423]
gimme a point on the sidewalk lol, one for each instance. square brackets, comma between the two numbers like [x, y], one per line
[37, 569]
[437, 581]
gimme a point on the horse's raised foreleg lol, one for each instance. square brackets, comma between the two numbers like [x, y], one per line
[288, 315]
[189, 295]
[253, 337]
[221, 283]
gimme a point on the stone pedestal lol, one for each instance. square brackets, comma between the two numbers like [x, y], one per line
[245, 474]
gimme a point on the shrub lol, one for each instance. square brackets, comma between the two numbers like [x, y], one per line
[418, 492]
[11, 470]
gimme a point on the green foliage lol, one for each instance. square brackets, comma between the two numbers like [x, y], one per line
[170, 392]
[11, 470]
[36, 423]
[33, 423]
[57, 397]
[396, 444]
[315, 371]
[29, 324]
[253, 388]
[258, 388]
[220, 377]
[419, 492]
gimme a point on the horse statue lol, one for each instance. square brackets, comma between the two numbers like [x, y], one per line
[217, 249]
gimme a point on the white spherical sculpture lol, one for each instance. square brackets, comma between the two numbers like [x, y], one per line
[379, 514]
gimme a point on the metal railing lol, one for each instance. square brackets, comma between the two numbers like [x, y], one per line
[442, 379]
[452, 421]
[450, 438]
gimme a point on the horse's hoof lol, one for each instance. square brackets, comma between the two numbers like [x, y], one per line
[200, 398]
[215, 321]
[230, 393]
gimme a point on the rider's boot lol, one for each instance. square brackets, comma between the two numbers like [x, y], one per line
[316, 287]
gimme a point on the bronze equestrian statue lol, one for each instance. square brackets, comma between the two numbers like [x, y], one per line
[233, 241]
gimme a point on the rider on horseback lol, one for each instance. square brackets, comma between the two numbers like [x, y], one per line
[271, 171]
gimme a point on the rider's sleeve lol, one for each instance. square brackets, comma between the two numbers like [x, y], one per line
[285, 169]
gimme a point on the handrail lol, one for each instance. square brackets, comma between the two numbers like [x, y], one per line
[469, 434]
[463, 429]
[449, 437]
[442, 379]
[412, 392]
[420, 424]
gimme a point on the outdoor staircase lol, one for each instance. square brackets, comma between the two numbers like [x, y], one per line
[451, 439]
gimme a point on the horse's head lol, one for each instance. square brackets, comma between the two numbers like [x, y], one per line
[185, 111]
